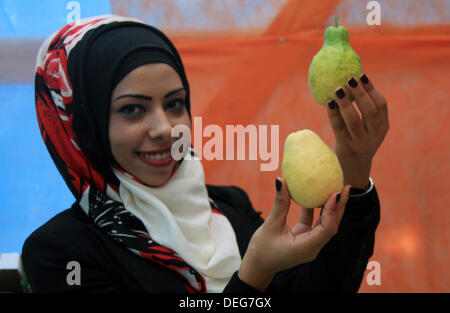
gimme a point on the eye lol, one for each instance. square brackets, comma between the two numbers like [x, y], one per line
[131, 110]
[177, 104]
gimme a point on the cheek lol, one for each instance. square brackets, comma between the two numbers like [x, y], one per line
[122, 137]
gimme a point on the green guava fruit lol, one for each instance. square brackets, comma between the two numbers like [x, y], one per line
[333, 65]
[311, 169]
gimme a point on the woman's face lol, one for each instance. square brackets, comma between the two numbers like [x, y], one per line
[145, 106]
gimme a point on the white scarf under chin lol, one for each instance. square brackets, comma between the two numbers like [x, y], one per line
[178, 216]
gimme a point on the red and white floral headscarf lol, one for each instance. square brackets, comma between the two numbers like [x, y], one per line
[74, 129]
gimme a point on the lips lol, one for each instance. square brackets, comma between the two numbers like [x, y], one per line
[158, 158]
[156, 151]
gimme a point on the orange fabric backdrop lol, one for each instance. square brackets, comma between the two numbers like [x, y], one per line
[261, 79]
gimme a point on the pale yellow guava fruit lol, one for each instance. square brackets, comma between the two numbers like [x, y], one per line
[311, 169]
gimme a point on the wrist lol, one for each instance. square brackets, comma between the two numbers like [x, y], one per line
[355, 192]
[256, 278]
[358, 178]
[362, 184]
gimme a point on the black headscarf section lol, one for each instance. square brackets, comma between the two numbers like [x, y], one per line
[103, 57]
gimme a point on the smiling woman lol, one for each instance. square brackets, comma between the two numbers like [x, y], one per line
[109, 92]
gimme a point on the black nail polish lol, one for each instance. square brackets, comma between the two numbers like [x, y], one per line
[338, 197]
[352, 82]
[364, 79]
[340, 93]
[278, 184]
[332, 104]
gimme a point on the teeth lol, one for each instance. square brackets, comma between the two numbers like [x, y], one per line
[156, 156]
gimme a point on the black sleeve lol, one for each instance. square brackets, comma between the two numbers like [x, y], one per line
[236, 285]
[341, 263]
[45, 259]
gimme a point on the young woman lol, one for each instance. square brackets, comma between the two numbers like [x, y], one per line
[109, 91]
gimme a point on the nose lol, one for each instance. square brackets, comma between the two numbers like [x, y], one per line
[160, 126]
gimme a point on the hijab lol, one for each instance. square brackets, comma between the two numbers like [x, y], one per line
[175, 225]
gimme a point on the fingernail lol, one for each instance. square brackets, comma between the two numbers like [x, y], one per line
[332, 104]
[364, 79]
[278, 184]
[352, 82]
[338, 197]
[340, 93]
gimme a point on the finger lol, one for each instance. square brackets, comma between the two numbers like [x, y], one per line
[327, 224]
[351, 118]
[334, 209]
[377, 98]
[304, 223]
[368, 109]
[319, 220]
[324, 230]
[320, 216]
[337, 122]
[278, 214]
[342, 200]
[300, 228]
[316, 238]
[306, 216]
[327, 215]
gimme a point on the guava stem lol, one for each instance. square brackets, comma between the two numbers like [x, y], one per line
[336, 21]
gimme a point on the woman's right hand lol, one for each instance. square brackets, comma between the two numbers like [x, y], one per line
[275, 247]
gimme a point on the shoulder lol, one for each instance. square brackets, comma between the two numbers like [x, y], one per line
[49, 250]
[63, 233]
[63, 227]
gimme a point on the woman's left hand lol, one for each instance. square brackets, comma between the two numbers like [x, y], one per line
[358, 139]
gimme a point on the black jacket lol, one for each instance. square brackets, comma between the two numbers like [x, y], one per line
[107, 266]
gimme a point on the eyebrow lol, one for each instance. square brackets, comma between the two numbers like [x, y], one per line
[147, 97]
